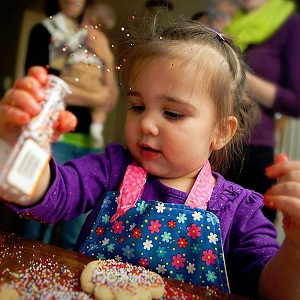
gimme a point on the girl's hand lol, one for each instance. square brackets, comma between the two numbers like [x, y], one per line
[67, 122]
[22, 101]
[285, 195]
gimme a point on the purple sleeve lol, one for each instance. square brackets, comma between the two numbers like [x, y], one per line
[249, 239]
[253, 244]
[287, 99]
[79, 185]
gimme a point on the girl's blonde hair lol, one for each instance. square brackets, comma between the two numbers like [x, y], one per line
[207, 52]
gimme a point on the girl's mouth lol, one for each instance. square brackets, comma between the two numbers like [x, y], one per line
[148, 152]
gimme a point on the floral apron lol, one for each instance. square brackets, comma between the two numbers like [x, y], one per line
[175, 240]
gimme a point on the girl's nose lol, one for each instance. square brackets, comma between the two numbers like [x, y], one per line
[148, 125]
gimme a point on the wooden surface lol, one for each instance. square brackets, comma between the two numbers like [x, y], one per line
[37, 269]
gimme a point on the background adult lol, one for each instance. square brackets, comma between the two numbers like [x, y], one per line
[218, 14]
[90, 75]
[47, 47]
[267, 31]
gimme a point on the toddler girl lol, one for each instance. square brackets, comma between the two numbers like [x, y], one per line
[161, 204]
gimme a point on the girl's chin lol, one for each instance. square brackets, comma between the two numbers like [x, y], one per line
[149, 167]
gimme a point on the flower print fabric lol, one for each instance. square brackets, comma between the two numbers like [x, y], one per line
[170, 239]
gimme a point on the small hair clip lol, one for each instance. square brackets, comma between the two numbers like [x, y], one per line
[219, 35]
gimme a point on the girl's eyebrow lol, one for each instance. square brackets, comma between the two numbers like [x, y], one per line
[180, 102]
[166, 98]
[133, 93]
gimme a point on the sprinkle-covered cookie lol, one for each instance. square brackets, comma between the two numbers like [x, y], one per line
[8, 293]
[112, 280]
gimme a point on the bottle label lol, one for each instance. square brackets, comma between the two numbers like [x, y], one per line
[27, 167]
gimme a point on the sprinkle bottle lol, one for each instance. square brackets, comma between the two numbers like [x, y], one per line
[22, 164]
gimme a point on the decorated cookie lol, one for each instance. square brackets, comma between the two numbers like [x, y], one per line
[112, 280]
[8, 293]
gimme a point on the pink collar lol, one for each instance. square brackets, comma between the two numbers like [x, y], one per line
[135, 177]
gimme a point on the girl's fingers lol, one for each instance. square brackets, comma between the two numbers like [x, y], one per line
[285, 195]
[281, 157]
[272, 171]
[282, 168]
[22, 100]
[286, 186]
[32, 86]
[27, 91]
[67, 122]
[39, 73]
[288, 205]
[13, 115]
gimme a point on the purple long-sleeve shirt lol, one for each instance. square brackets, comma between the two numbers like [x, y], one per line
[278, 61]
[249, 239]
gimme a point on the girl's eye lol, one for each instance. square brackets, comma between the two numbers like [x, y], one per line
[173, 115]
[137, 108]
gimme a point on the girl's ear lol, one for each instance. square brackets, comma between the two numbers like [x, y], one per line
[224, 133]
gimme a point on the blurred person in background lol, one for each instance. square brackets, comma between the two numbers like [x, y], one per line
[200, 16]
[47, 47]
[218, 14]
[91, 75]
[153, 5]
[267, 32]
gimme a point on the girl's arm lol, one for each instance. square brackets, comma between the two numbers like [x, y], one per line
[281, 276]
